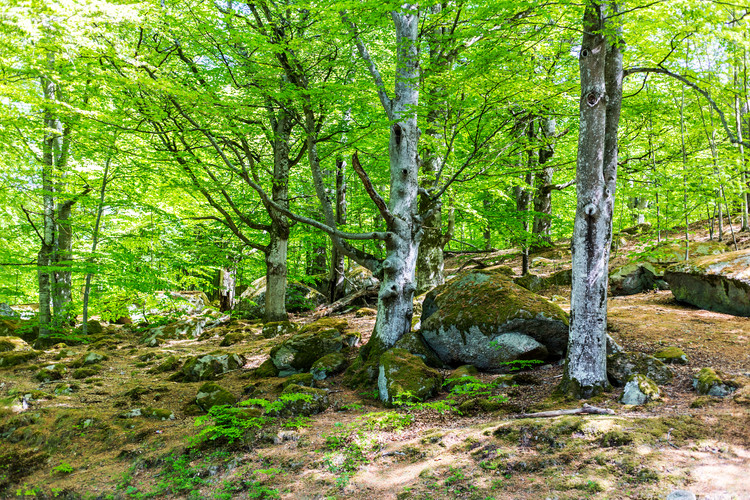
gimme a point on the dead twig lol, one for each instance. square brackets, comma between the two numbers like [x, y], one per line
[586, 409]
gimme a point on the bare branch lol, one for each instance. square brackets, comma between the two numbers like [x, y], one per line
[374, 196]
[365, 55]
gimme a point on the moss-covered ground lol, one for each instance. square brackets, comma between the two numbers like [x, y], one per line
[74, 442]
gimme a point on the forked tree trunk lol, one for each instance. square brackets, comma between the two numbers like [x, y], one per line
[338, 260]
[600, 64]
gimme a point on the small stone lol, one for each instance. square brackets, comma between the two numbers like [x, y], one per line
[276, 328]
[91, 358]
[681, 495]
[232, 338]
[364, 312]
[714, 383]
[621, 366]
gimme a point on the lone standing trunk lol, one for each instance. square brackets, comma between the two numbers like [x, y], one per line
[600, 64]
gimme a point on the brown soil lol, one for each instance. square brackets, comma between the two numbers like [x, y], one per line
[360, 449]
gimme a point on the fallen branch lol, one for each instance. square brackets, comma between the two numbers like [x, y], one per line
[586, 409]
[478, 263]
[327, 310]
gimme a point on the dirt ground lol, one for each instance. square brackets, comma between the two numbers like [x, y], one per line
[77, 445]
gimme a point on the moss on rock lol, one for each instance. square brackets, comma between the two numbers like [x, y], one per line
[299, 352]
[266, 369]
[276, 328]
[714, 383]
[462, 319]
[208, 366]
[232, 338]
[86, 372]
[639, 390]
[212, 394]
[461, 375]
[169, 364]
[672, 355]
[50, 373]
[15, 358]
[328, 365]
[405, 376]
[621, 366]
[313, 400]
[91, 358]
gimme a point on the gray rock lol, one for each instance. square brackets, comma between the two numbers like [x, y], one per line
[6, 310]
[632, 278]
[681, 495]
[328, 365]
[465, 319]
[623, 365]
[314, 401]
[415, 344]
[715, 383]
[639, 390]
[209, 366]
[298, 353]
[715, 282]
[519, 346]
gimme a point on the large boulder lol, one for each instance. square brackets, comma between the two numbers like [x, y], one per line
[404, 375]
[632, 278]
[469, 320]
[190, 327]
[716, 282]
[299, 298]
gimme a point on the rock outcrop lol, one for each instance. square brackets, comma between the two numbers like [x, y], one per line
[299, 298]
[718, 283]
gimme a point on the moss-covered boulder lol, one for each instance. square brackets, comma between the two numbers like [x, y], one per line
[415, 344]
[276, 328]
[328, 365]
[632, 278]
[169, 364]
[149, 412]
[304, 401]
[91, 358]
[208, 366]
[12, 327]
[266, 369]
[716, 282]
[742, 396]
[403, 375]
[359, 278]
[14, 344]
[463, 320]
[461, 375]
[715, 383]
[299, 298]
[232, 338]
[639, 390]
[51, 373]
[93, 327]
[15, 358]
[212, 394]
[298, 353]
[329, 323]
[303, 379]
[621, 366]
[8, 327]
[672, 356]
[189, 328]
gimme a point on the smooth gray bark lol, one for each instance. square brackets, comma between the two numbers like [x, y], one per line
[94, 243]
[600, 63]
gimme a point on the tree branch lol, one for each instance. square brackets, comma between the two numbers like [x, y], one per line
[663, 71]
[374, 196]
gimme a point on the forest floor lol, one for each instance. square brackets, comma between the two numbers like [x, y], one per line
[77, 445]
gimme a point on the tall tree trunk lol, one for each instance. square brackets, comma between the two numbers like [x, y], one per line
[338, 260]
[94, 243]
[397, 288]
[430, 266]
[541, 228]
[600, 64]
[276, 252]
[61, 289]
